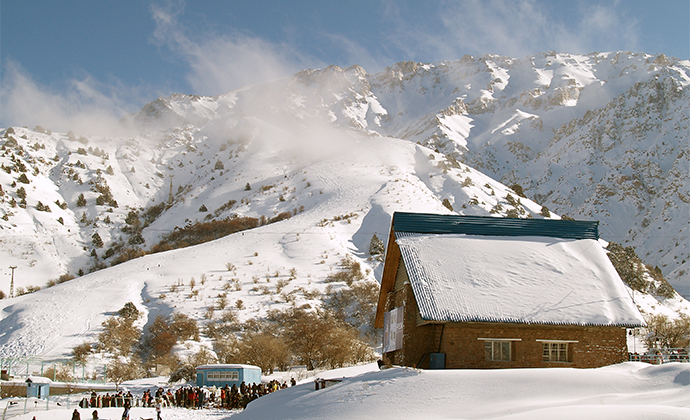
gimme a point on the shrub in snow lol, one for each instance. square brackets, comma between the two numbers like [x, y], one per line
[119, 336]
[512, 214]
[59, 372]
[184, 327]
[350, 271]
[517, 188]
[186, 371]
[355, 305]
[376, 246]
[81, 352]
[120, 371]
[96, 240]
[161, 339]
[446, 204]
[264, 350]
[129, 312]
[136, 239]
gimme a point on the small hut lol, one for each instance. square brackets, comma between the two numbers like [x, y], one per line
[220, 375]
[474, 292]
[38, 387]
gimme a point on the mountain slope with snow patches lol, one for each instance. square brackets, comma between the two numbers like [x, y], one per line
[322, 160]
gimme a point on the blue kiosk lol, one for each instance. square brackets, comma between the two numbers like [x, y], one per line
[38, 386]
[220, 375]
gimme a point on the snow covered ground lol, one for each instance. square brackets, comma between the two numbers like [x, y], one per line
[625, 391]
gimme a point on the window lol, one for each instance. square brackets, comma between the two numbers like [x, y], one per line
[555, 351]
[497, 351]
[223, 376]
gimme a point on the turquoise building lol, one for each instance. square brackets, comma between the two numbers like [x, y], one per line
[221, 375]
[38, 386]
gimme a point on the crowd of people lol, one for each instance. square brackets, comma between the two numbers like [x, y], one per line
[191, 397]
[230, 397]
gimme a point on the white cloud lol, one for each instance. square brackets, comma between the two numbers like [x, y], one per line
[517, 28]
[85, 106]
[220, 63]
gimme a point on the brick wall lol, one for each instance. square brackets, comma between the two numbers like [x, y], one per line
[588, 347]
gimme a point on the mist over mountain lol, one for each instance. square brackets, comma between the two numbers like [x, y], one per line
[600, 136]
[320, 161]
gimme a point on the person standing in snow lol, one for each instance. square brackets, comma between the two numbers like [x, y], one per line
[75, 415]
[125, 414]
[158, 409]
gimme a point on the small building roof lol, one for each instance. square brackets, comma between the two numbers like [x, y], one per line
[491, 269]
[532, 280]
[494, 226]
[227, 366]
[38, 380]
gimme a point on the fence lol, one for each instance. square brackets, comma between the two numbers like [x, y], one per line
[657, 356]
[60, 370]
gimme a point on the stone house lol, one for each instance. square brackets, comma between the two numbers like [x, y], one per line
[486, 292]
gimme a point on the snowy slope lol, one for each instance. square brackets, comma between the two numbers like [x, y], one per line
[339, 150]
[624, 391]
[600, 136]
[348, 195]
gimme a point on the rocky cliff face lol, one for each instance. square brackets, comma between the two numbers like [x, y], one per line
[601, 136]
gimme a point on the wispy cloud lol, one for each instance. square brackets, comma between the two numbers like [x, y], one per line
[222, 62]
[516, 28]
[85, 105]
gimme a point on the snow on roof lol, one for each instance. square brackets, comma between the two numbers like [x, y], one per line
[227, 366]
[530, 279]
[38, 380]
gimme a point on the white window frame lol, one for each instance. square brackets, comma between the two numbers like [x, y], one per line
[216, 376]
[498, 345]
[556, 351]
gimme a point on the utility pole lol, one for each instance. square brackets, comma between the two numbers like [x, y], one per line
[12, 267]
[170, 193]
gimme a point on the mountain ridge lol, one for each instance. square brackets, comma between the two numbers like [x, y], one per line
[332, 153]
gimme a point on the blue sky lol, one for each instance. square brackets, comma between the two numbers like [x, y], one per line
[61, 58]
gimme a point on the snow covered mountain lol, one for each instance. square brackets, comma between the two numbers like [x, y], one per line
[321, 161]
[601, 136]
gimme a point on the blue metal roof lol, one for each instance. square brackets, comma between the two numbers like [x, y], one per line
[494, 226]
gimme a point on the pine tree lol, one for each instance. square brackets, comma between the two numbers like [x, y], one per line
[376, 246]
[97, 241]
